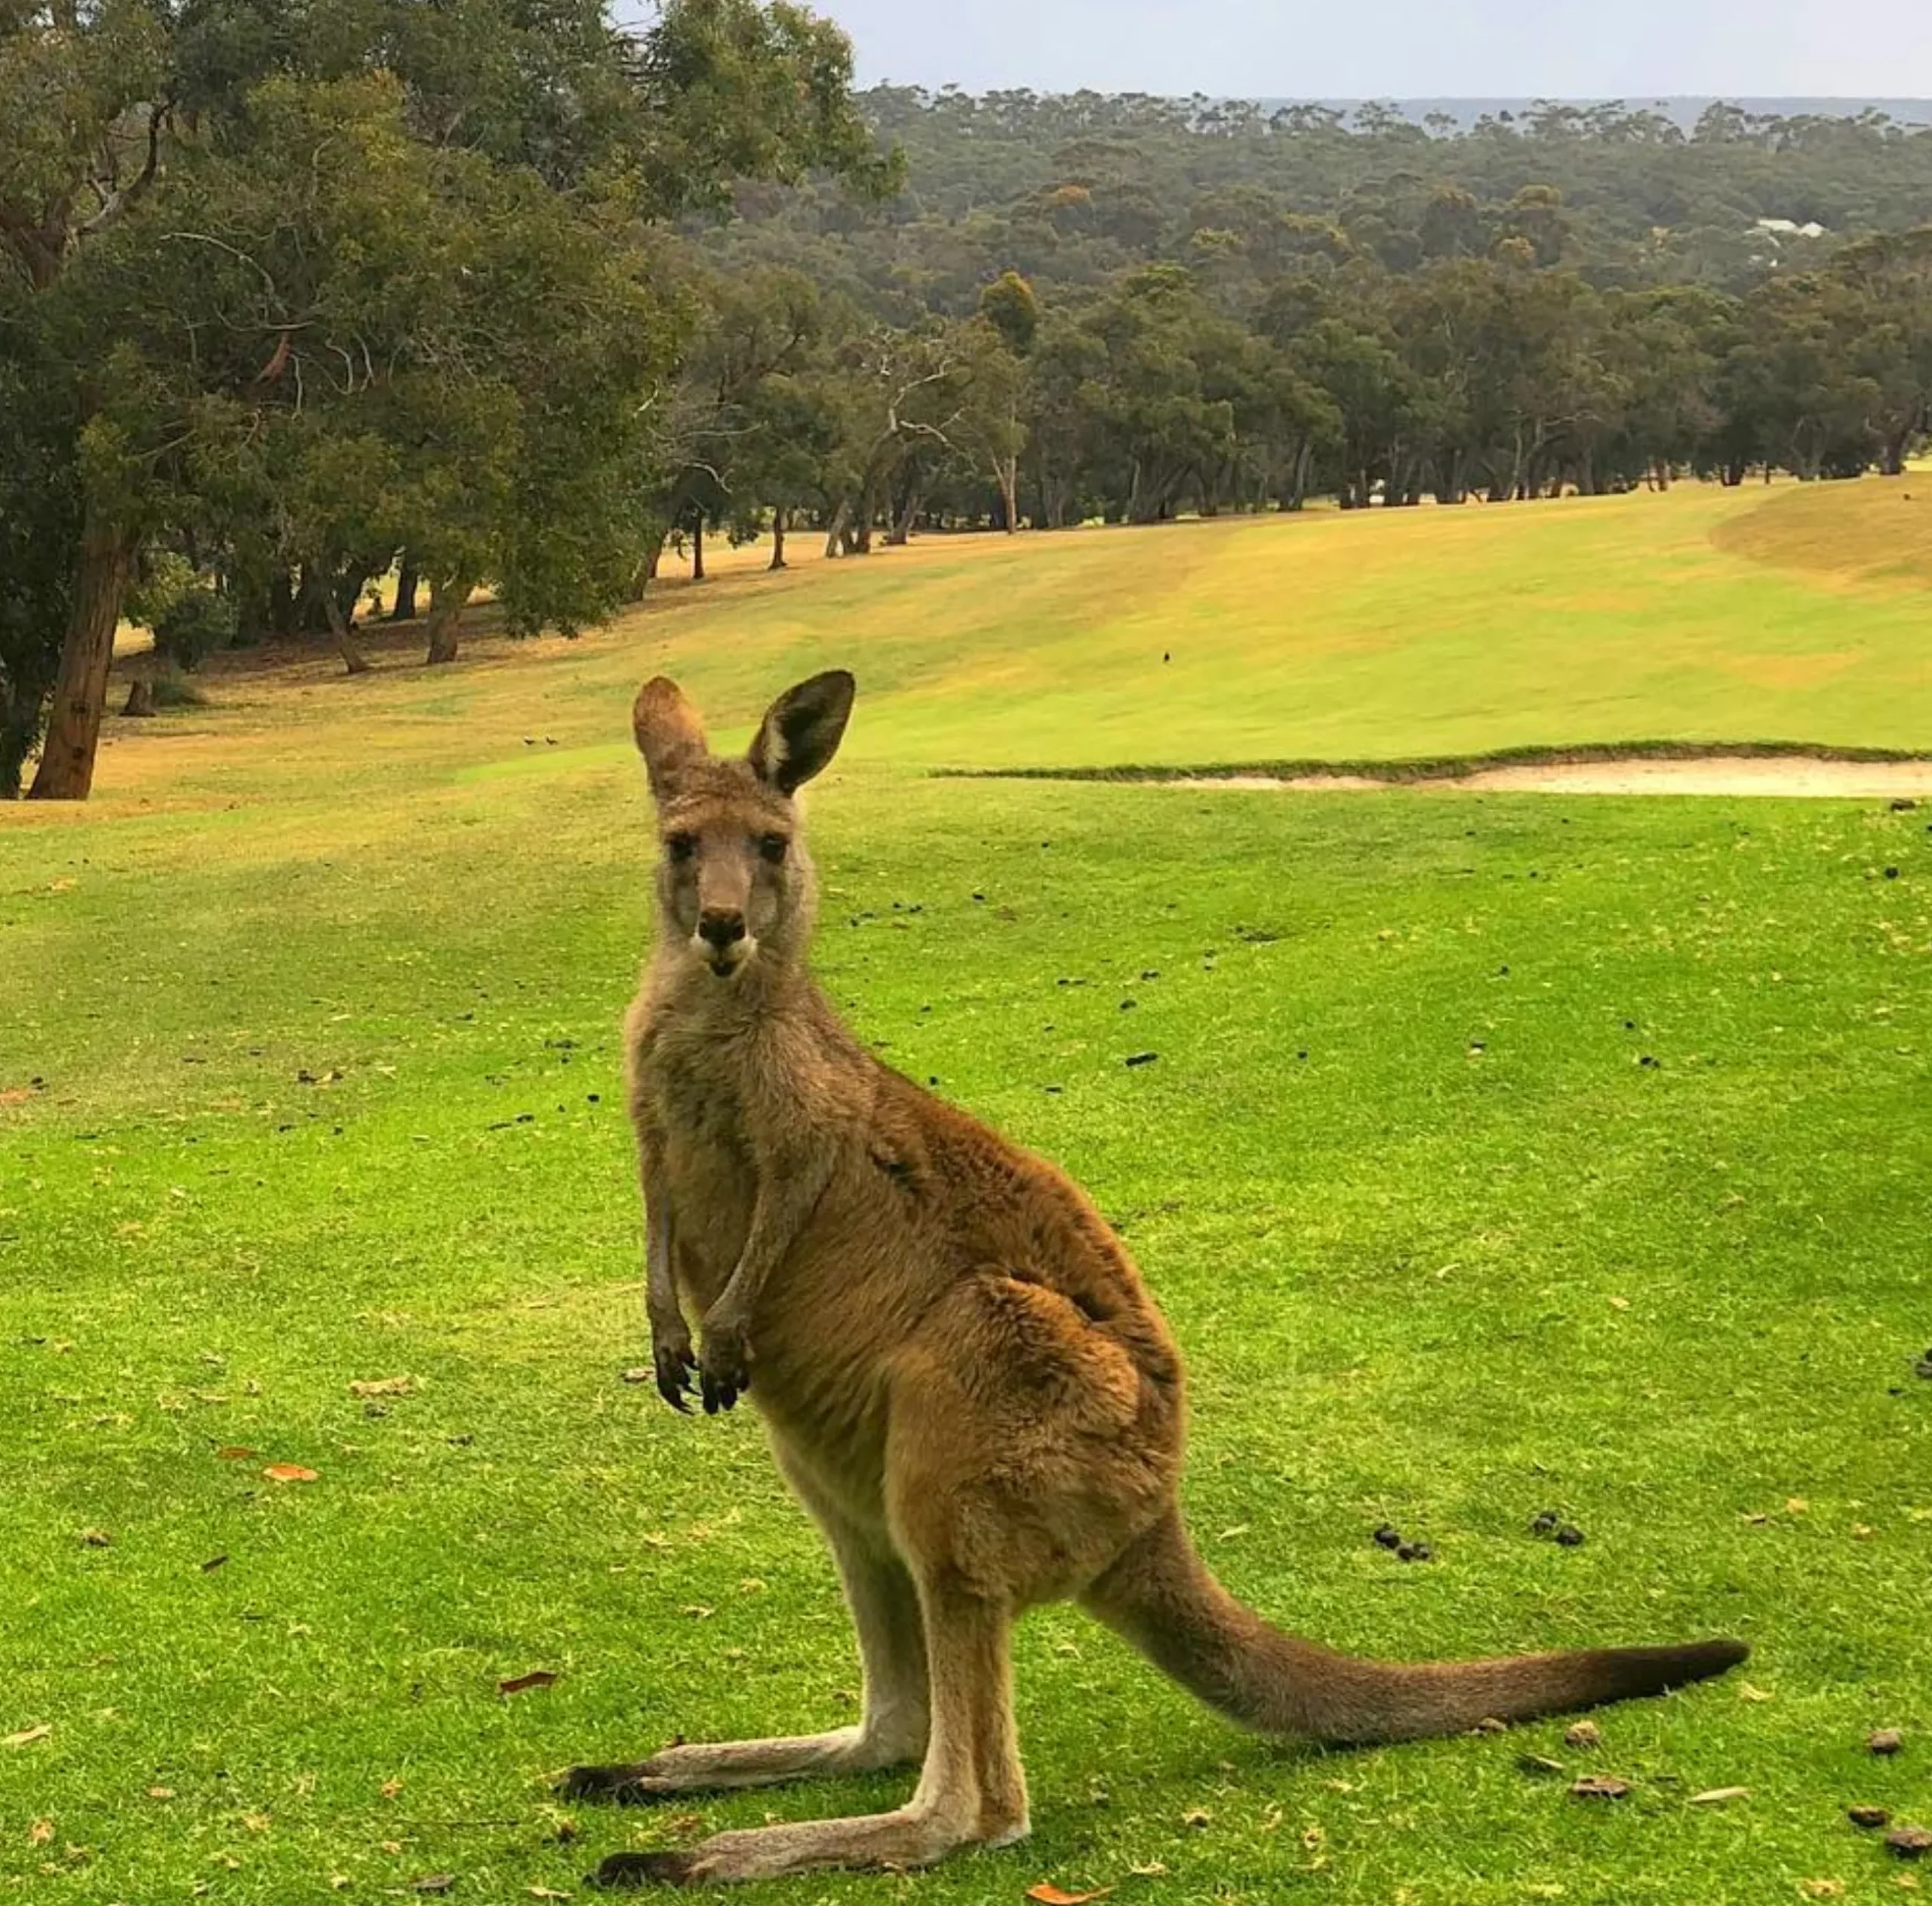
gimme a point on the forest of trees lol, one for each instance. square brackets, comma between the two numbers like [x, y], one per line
[491, 293]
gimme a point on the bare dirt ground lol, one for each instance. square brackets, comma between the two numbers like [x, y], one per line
[1725, 774]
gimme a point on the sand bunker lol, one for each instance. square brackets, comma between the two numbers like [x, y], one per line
[1726, 774]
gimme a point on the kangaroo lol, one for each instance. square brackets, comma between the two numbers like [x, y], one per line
[961, 1374]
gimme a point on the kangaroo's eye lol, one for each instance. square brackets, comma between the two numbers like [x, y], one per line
[774, 848]
[681, 847]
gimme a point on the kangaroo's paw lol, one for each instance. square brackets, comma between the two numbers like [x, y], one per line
[628, 1785]
[622, 1871]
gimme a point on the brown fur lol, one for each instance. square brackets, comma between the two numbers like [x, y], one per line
[962, 1376]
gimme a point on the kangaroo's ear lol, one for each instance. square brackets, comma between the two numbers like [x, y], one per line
[801, 730]
[669, 735]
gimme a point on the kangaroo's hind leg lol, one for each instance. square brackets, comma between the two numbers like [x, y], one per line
[971, 1791]
[892, 1726]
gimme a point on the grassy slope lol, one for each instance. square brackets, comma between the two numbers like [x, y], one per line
[1395, 1262]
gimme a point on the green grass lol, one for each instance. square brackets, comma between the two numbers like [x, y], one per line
[1468, 1258]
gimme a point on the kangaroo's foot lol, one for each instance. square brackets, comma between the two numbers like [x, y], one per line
[910, 1835]
[727, 1764]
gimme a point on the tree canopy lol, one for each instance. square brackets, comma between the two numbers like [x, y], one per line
[296, 288]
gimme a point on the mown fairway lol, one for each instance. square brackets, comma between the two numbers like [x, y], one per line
[1502, 1154]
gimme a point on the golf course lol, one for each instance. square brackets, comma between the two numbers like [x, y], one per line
[1493, 1155]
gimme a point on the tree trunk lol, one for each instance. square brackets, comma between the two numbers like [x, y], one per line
[777, 539]
[343, 628]
[859, 531]
[18, 718]
[447, 600]
[697, 549]
[105, 564]
[405, 591]
[1007, 469]
[349, 588]
[646, 573]
[834, 535]
[902, 528]
[140, 696]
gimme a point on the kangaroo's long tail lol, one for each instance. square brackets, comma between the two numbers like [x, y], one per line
[1160, 1596]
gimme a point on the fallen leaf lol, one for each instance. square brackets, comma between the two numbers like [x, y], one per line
[541, 1677]
[1821, 1889]
[1539, 1763]
[40, 1833]
[213, 1562]
[384, 1387]
[1910, 1842]
[1051, 1895]
[390, 1788]
[290, 1472]
[1620, 1303]
[1197, 1817]
[1885, 1740]
[1153, 1869]
[1868, 1816]
[234, 1452]
[1796, 1505]
[1599, 1787]
[547, 1892]
[161, 1793]
[639, 1373]
[1716, 1796]
[27, 1736]
[1746, 1691]
[433, 1883]
[97, 1538]
[1584, 1734]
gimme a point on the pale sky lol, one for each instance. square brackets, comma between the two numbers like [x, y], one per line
[1348, 49]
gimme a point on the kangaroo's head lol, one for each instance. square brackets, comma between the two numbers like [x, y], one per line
[734, 884]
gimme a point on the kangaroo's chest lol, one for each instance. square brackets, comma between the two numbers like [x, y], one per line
[709, 1159]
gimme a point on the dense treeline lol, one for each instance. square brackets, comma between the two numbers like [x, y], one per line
[493, 293]
[1131, 307]
[1070, 190]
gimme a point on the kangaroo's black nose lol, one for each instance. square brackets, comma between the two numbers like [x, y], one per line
[721, 926]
